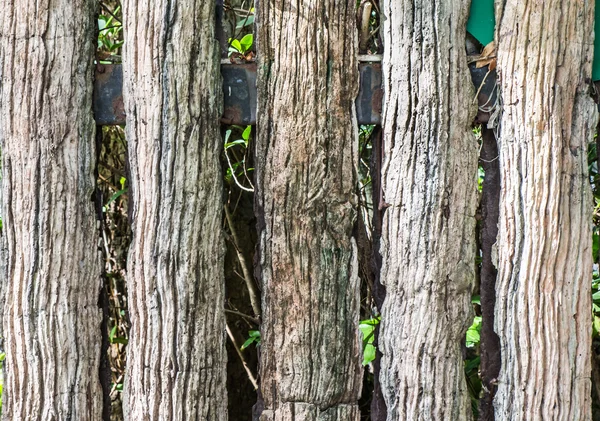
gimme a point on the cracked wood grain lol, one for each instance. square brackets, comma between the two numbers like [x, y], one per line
[176, 368]
[543, 304]
[428, 181]
[306, 155]
[50, 258]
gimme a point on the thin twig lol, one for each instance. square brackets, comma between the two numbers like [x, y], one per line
[244, 363]
[233, 175]
[105, 7]
[245, 316]
[481, 86]
[115, 384]
[254, 296]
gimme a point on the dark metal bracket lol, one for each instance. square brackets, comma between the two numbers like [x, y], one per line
[239, 90]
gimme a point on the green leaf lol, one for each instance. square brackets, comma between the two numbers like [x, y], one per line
[101, 23]
[367, 328]
[371, 322]
[246, 42]
[114, 339]
[596, 327]
[245, 22]
[246, 344]
[476, 299]
[116, 45]
[473, 337]
[471, 365]
[246, 133]
[369, 354]
[120, 340]
[115, 197]
[253, 337]
[595, 245]
[236, 44]
[112, 333]
[235, 142]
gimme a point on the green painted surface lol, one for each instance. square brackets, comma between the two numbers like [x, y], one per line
[481, 20]
[481, 25]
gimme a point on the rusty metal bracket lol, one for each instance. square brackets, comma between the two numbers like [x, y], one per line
[108, 95]
[239, 90]
[239, 93]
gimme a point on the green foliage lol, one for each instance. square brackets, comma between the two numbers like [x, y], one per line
[241, 46]
[238, 23]
[116, 195]
[480, 177]
[365, 151]
[473, 383]
[245, 21]
[110, 35]
[114, 339]
[472, 340]
[253, 338]
[237, 154]
[367, 328]
[473, 333]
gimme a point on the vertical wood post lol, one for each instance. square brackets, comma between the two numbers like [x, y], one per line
[544, 244]
[50, 259]
[176, 367]
[306, 155]
[429, 192]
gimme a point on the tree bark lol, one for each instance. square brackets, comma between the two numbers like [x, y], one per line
[50, 258]
[306, 154]
[429, 192]
[544, 246]
[173, 100]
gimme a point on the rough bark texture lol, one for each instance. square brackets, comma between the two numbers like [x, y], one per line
[306, 204]
[173, 99]
[544, 244]
[429, 189]
[489, 207]
[50, 258]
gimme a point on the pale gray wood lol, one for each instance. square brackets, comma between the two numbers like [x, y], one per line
[306, 156]
[176, 367]
[544, 246]
[429, 196]
[50, 256]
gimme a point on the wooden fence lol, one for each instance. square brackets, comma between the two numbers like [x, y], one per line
[174, 94]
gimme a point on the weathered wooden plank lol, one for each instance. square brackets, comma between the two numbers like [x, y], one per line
[176, 361]
[50, 263]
